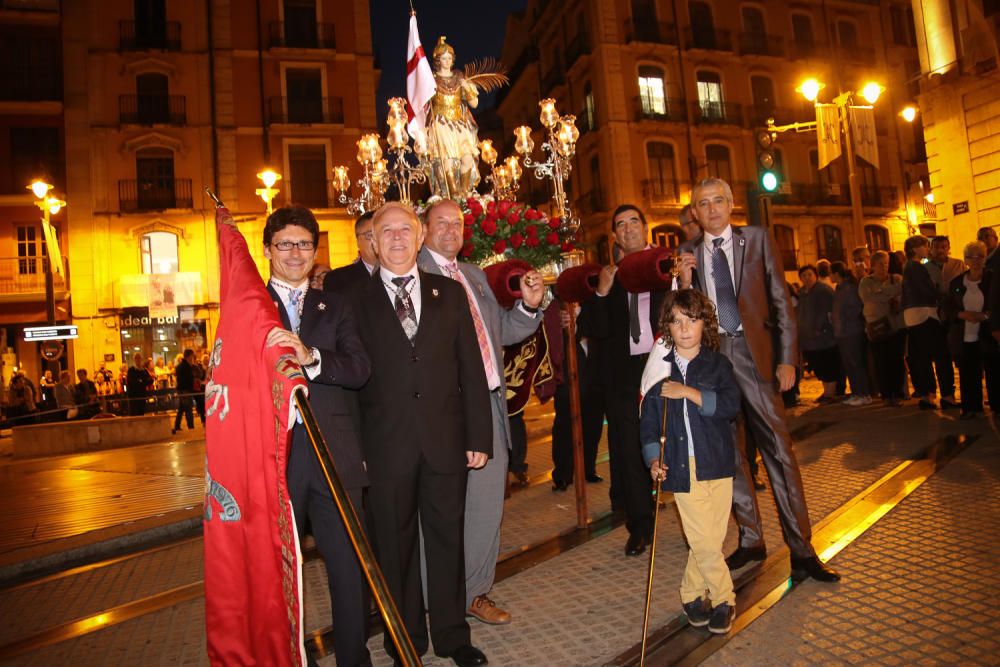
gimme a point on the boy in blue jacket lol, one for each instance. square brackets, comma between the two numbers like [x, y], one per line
[699, 458]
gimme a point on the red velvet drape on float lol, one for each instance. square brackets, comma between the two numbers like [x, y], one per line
[253, 574]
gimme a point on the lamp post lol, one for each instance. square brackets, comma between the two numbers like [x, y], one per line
[49, 206]
[561, 147]
[372, 184]
[268, 177]
[810, 89]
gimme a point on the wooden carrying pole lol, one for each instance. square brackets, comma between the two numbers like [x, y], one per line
[575, 412]
[356, 532]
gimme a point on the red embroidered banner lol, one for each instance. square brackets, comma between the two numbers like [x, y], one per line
[253, 574]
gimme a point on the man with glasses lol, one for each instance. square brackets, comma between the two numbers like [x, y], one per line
[740, 270]
[321, 329]
[357, 273]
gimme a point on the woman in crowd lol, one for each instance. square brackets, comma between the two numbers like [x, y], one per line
[881, 294]
[137, 386]
[64, 395]
[969, 336]
[815, 316]
[849, 330]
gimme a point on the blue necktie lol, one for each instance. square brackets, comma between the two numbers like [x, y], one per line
[294, 318]
[725, 293]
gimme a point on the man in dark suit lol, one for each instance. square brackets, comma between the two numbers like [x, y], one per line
[185, 387]
[624, 326]
[739, 268]
[426, 421]
[357, 273]
[321, 329]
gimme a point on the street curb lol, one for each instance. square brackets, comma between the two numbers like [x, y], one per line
[46, 558]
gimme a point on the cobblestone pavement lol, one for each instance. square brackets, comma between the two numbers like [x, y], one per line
[585, 606]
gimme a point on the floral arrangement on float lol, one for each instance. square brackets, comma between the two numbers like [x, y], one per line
[497, 231]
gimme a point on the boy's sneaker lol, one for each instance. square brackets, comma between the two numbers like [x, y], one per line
[722, 618]
[698, 613]
[855, 401]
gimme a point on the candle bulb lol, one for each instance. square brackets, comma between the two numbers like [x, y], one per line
[341, 182]
[397, 136]
[514, 167]
[523, 142]
[548, 115]
[397, 111]
[487, 152]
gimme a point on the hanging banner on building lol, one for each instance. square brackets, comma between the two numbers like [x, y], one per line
[162, 295]
[827, 133]
[52, 248]
[862, 121]
[142, 289]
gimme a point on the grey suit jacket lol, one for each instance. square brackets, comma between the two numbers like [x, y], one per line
[762, 293]
[504, 327]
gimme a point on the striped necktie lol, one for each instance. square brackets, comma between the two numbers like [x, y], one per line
[725, 293]
[404, 307]
[477, 319]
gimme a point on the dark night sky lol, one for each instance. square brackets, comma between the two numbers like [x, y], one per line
[475, 30]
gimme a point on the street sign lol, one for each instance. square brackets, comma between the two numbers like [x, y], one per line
[55, 332]
[959, 208]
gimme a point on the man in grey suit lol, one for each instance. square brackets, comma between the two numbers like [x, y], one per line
[496, 327]
[740, 270]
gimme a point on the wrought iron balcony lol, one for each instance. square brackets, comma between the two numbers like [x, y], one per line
[801, 49]
[292, 36]
[660, 192]
[709, 40]
[134, 36]
[718, 113]
[761, 44]
[154, 194]
[152, 109]
[26, 276]
[650, 32]
[651, 108]
[303, 111]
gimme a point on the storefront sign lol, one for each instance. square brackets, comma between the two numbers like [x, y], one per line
[57, 332]
[109, 357]
[146, 320]
[959, 208]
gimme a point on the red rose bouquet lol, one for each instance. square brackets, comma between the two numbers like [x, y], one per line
[513, 231]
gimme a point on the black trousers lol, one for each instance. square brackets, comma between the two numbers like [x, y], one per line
[890, 371]
[978, 359]
[630, 483]
[518, 443]
[184, 407]
[436, 502]
[592, 420]
[927, 356]
[313, 506]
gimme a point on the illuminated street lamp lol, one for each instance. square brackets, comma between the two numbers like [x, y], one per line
[909, 113]
[268, 177]
[49, 206]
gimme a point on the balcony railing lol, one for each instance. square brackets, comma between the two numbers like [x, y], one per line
[591, 201]
[26, 275]
[660, 192]
[758, 114]
[647, 108]
[874, 195]
[315, 110]
[152, 109]
[140, 37]
[30, 85]
[579, 46]
[650, 32]
[312, 192]
[154, 194]
[800, 49]
[710, 40]
[719, 113]
[857, 54]
[291, 36]
[761, 44]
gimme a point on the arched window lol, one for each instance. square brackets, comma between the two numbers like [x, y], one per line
[702, 25]
[652, 91]
[662, 175]
[847, 34]
[754, 37]
[877, 237]
[784, 236]
[152, 98]
[762, 92]
[829, 243]
[717, 157]
[802, 32]
[667, 236]
[159, 252]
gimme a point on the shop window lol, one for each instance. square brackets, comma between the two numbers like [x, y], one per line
[719, 165]
[162, 338]
[877, 238]
[784, 236]
[159, 252]
[662, 176]
[652, 91]
[830, 243]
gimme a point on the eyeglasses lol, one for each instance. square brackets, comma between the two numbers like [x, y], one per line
[285, 246]
[366, 236]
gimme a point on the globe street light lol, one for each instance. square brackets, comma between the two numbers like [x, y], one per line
[268, 177]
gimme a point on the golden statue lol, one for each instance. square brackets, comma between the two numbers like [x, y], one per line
[452, 132]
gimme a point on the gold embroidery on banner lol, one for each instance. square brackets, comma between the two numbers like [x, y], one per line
[514, 370]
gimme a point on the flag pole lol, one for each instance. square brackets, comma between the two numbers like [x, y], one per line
[355, 531]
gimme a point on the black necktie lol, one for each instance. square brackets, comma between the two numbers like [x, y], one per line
[633, 317]
[725, 293]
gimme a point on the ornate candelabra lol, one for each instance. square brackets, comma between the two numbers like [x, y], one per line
[372, 184]
[403, 173]
[505, 176]
[560, 146]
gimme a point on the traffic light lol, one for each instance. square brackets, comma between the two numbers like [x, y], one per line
[768, 178]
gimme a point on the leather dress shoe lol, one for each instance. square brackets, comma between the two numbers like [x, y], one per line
[487, 611]
[804, 568]
[744, 555]
[636, 544]
[521, 479]
[594, 479]
[559, 485]
[468, 656]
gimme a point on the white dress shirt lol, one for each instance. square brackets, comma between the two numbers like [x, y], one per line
[682, 366]
[284, 291]
[413, 287]
[707, 248]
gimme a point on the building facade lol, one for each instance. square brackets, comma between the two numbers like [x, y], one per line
[667, 92]
[158, 101]
[960, 103]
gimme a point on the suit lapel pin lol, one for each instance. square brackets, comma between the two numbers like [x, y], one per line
[743, 242]
[321, 305]
[434, 292]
